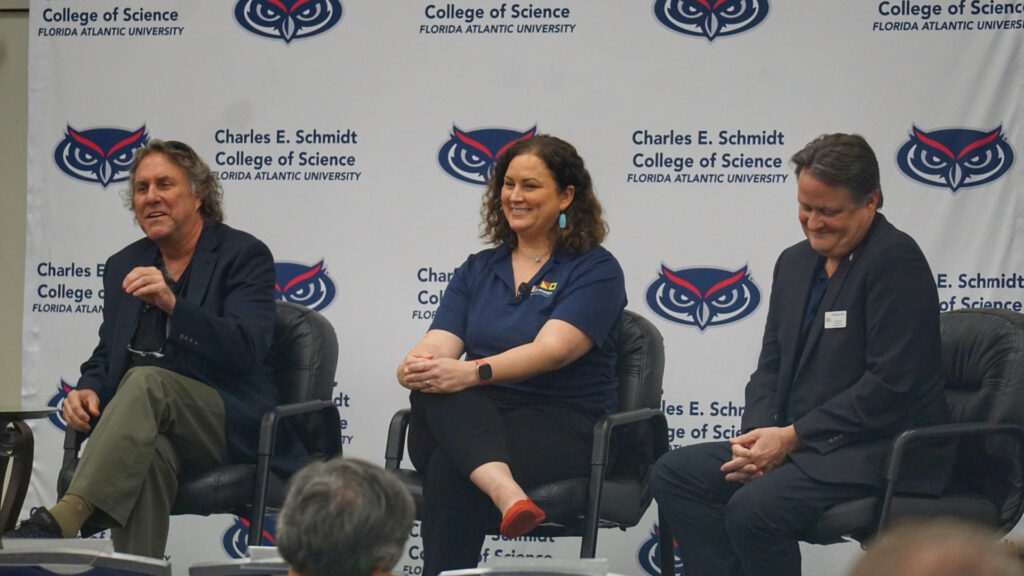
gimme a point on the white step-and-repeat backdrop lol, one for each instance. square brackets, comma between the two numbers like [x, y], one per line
[354, 137]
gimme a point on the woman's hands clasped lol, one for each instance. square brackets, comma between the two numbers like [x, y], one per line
[440, 376]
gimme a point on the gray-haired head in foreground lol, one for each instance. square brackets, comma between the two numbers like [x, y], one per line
[202, 181]
[844, 160]
[344, 517]
[941, 547]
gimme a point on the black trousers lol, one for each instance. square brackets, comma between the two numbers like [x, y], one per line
[450, 435]
[732, 529]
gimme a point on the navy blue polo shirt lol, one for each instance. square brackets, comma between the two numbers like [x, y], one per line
[586, 290]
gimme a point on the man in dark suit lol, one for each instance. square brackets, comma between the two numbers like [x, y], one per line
[850, 357]
[178, 374]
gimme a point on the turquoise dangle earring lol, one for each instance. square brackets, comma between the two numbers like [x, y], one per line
[561, 220]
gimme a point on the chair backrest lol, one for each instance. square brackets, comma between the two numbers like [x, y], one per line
[983, 367]
[303, 361]
[641, 363]
[640, 367]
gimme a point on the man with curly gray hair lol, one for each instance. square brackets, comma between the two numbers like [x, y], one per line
[344, 517]
[178, 374]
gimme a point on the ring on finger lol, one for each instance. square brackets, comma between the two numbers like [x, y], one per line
[426, 384]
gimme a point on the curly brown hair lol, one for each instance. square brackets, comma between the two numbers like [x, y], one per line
[202, 181]
[585, 228]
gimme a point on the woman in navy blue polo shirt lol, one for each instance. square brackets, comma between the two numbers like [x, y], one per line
[536, 318]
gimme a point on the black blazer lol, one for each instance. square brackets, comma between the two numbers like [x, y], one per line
[222, 328]
[853, 388]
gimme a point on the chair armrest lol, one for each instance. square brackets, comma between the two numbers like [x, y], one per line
[265, 452]
[73, 440]
[603, 430]
[395, 447]
[902, 444]
[955, 430]
[607, 424]
[268, 436]
[270, 421]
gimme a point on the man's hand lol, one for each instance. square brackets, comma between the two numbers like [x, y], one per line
[740, 470]
[79, 407]
[759, 451]
[147, 283]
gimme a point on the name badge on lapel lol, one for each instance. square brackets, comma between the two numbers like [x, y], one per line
[836, 319]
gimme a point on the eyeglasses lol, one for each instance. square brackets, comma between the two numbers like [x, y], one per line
[155, 354]
[147, 353]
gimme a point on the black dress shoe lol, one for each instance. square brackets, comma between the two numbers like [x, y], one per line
[41, 524]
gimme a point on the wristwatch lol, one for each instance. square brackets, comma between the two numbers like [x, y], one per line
[483, 370]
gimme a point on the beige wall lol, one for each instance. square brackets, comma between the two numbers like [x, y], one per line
[14, 127]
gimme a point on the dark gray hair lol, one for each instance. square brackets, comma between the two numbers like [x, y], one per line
[842, 160]
[202, 181]
[344, 517]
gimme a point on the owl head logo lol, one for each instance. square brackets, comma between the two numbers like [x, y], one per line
[469, 156]
[236, 537]
[703, 297]
[955, 158]
[649, 555]
[711, 18]
[309, 286]
[101, 155]
[288, 19]
[57, 401]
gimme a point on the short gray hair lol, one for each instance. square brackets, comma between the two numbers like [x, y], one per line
[344, 517]
[202, 181]
[842, 160]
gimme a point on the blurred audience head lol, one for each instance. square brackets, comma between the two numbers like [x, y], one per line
[939, 548]
[344, 517]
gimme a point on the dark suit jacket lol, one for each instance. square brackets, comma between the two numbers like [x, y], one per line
[222, 328]
[853, 388]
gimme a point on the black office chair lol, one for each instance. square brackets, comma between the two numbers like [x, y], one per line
[303, 360]
[983, 366]
[626, 445]
[17, 447]
[80, 563]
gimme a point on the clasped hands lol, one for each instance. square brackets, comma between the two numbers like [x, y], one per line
[440, 376]
[759, 451]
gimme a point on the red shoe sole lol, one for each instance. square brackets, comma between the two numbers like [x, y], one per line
[521, 518]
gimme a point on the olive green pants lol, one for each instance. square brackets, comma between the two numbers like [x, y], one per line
[158, 426]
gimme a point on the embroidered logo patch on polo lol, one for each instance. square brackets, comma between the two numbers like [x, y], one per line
[545, 288]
